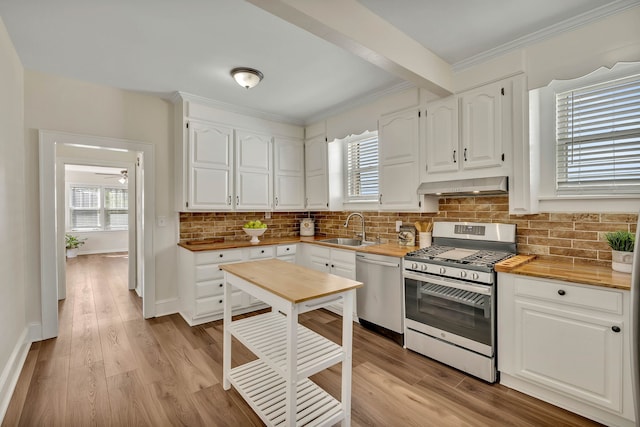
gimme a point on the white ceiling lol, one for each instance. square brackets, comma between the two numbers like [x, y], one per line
[163, 46]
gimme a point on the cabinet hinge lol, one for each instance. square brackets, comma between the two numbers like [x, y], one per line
[503, 157]
[502, 91]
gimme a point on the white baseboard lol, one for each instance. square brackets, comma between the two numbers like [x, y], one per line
[12, 369]
[167, 306]
[35, 332]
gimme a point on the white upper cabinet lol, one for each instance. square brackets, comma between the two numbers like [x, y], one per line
[210, 166]
[316, 173]
[468, 135]
[288, 182]
[226, 161]
[398, 144]
[253, 171]
[481, 127]
[442, 135]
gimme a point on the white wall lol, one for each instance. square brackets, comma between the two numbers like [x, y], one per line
[13, 253]
[66, 105]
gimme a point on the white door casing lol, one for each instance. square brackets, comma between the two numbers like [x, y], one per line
[50, 234]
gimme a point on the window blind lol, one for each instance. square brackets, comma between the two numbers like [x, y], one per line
[362, 168]
[598, 138]
[116, 202]
[85, 208]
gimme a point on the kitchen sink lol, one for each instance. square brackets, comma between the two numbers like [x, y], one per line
[346, 242]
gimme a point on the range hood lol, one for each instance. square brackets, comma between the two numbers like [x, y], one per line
[466, 187]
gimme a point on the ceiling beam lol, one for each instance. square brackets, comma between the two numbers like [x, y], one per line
[348, 24]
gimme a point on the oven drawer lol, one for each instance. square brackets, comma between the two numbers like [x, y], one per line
[587, 297]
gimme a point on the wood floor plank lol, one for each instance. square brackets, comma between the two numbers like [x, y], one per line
[16, 405]
[151, 360]
[46, 400]
[179, 405]
[193, 366]
[117, 354]
[134, 403]
[88, 398]
[86, 348]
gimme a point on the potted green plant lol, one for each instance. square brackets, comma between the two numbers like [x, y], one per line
[622, 244]
[72, 243]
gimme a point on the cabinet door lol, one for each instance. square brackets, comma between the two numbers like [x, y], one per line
[210, 165]
[481, 125]
[442, 153]
[288, 174]
[569, 352]
[343, 263]
[253, 171]
[398, 158]
[316, 173]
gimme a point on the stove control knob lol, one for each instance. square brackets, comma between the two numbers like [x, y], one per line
[414, 266]
[443, 270]
[423, 267]
[463, 274]
[475, 276]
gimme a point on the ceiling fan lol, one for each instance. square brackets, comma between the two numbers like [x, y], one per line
[123, 176]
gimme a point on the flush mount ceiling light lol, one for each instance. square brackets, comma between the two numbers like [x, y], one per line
[247, 77]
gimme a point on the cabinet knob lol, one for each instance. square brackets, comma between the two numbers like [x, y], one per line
[332, 266]
[561, 292]
[220, 301]
[454, 156]
[615, 329]
[326, 264]
[465, 154]
[221, 255]
[262, 251]
[221, 284]
[287, 249]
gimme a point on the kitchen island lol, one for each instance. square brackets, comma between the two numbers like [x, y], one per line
[276, 386]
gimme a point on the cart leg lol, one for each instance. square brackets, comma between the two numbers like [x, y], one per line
[226, 343]
[292, 367]
[347, 341]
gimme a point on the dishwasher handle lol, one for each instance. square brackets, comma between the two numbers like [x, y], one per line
[360, 258]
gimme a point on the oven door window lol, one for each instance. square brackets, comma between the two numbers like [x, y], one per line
[460, 312]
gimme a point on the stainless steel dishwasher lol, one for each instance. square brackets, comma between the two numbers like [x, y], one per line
[380, 302]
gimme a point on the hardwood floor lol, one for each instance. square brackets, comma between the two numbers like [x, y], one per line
[110, 367]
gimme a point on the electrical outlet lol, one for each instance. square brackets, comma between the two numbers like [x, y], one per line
[267, 215]
[398, 225]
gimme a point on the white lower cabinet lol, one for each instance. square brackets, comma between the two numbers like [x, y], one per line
[340, 262]
[567, 344]
[201, 282]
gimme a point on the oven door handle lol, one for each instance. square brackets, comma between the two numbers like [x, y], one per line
[478, 289]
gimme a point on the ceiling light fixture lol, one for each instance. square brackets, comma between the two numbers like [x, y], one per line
[246, 77]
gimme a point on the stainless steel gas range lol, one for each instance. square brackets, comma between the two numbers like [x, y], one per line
[450, 295]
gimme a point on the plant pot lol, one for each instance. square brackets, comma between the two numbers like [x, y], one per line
[621, 261]
[72, 253]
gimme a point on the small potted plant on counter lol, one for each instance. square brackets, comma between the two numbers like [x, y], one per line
[72, 244]
[622, 244]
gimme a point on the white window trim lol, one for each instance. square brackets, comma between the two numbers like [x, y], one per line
[360, 203]
[102, 209]
[542, 116]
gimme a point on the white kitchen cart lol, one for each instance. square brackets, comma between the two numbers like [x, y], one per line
[276, 386]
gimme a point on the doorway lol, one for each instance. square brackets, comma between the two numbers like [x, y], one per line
[99, 209]
[56, 147]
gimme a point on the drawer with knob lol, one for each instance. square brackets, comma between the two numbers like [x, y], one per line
[261, 252]
[219, 257]
[580, 296]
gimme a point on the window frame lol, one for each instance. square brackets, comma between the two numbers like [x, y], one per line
[579, 139]
[362, 199]
[102, 209]
[542, 132]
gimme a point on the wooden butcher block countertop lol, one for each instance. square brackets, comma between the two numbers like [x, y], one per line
[389, 249]
[292, 282]
[585, 274]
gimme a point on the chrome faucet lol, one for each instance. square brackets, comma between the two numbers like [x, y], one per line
[346, 223]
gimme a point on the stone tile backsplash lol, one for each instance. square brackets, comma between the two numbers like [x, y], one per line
[575, 237]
